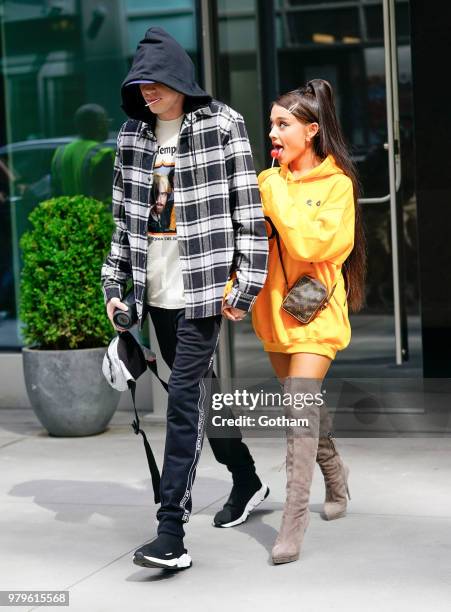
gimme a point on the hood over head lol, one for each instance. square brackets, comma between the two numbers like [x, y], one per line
[160, 58]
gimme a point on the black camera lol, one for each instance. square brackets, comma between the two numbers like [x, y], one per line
[126, 318]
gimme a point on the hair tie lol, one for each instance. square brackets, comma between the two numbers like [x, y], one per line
[310, 89]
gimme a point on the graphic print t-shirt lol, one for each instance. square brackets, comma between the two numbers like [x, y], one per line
[164, 287]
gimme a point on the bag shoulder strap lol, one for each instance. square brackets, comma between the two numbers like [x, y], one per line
[276, 235]
[153, 468]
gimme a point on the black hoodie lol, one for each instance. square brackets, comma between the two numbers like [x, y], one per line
[161, 59]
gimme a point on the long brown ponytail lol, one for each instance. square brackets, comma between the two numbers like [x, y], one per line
[315, 103]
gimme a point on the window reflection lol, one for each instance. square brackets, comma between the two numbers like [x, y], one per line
[345, 45]
[63, 60]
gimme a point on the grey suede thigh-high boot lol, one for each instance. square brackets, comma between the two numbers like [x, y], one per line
[335, 472]
[302, 446]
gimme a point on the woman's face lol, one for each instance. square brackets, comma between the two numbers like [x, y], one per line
[289, 136]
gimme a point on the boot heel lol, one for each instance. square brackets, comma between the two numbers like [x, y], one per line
[288, 545]
[336, 475]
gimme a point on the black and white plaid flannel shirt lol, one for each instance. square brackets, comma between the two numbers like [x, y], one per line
[220, 225]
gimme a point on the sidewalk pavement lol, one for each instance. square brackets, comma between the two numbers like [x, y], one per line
[74, 510]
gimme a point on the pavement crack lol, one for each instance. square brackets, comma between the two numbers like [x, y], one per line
[12, 442]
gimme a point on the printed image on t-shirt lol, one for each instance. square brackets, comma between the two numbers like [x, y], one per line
[164, 278]
[162, 212]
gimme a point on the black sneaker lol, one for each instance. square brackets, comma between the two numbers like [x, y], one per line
[241, 502]
[166, 551]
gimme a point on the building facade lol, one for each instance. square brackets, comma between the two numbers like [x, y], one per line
[58, 55]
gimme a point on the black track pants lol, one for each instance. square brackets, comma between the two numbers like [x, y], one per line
[188, 347]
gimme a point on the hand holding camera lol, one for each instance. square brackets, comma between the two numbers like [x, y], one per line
[123, 315]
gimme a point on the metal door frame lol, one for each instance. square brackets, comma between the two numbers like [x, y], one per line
[394, 168]
[210, 56]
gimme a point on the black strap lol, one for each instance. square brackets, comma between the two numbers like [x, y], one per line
[154, 472]
[152, 365]
[153, 468]
[275, 234]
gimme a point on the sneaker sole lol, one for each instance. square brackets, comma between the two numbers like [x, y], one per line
[183, 562]
[254, 501]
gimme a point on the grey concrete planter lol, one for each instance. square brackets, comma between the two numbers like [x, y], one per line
[68, 391]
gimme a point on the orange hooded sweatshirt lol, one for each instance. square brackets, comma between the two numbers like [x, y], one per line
[314, 216]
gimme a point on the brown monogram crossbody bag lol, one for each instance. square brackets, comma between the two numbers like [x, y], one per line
[308, 296]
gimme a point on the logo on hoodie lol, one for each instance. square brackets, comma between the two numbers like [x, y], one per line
[310, 203]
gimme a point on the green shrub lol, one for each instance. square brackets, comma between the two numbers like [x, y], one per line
[61, 304]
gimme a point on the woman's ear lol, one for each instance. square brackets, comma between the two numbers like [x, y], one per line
[312, 130]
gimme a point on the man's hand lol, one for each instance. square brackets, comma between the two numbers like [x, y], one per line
[231, 313]
[111, 307]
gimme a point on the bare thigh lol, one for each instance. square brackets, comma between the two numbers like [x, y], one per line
[299, 365]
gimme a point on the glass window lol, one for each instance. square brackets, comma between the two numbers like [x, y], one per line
[238, 79]
[344, 44]
[353, 61]
[57, 58]
[322, 27]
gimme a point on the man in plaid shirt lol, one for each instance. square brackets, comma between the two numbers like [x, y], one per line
[190, 233]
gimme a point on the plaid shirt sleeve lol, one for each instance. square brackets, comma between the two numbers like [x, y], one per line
[116, 269]
[251, 244]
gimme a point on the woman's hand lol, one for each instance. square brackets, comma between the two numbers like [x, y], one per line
[231, 313]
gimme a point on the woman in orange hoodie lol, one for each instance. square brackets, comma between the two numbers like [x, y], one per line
[310, 200]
